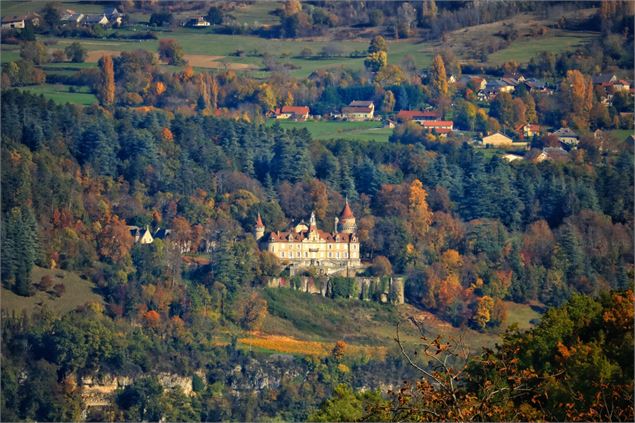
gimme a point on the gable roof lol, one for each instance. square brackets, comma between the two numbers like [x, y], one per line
[436, 123]
[604, 78]
[298, 110]
[361, 103]
[565, 132]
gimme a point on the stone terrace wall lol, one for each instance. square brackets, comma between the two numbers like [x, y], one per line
[387, 289]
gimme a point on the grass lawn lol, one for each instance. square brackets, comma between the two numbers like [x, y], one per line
[78, 292]
[257, 13]
[522, 314]
[327, 130]
[315, 318]
[523, 50]
[621, 134]
[61, 94]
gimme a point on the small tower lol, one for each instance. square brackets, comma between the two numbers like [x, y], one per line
[259, 231]
[347, 219]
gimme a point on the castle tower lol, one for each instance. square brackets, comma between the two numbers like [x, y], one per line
[347, 219]
[259, 231]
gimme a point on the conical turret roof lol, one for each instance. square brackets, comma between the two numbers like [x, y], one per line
[347, 213]
[259, 223]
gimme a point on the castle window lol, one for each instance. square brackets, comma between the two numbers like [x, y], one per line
[298, 255]
[338, 255]
[306, 254]
[330, 246]
[282, 254]
[345, 255]
[329, 252]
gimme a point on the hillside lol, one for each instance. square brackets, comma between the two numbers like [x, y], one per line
[78, 292]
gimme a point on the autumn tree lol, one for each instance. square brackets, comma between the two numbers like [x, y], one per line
[419, 214]
[376, 61]
[115, 241]
[378, 44]
[171, 52]
[76, 53]
[438, 77]
[106, 87]
[577, 97]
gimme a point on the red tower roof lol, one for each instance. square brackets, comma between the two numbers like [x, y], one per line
[259, 223]
[347, 213]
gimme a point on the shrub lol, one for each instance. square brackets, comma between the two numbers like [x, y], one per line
[59, 289]
[46, 282]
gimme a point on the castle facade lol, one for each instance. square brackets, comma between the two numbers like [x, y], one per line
[305, 246]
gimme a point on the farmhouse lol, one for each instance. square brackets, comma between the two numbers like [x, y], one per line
[197, 22]
[496, 140]
[528, 130]
[13, 23]
[72, 17]
[441, 127]
[292, 112]
[567, 136]
[96, 20]
[359, 110]
[19, 22]
[141, 235]
[305, 246]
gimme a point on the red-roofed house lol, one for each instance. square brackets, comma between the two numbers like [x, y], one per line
[293, 112]
[441, 127]
[528, 130]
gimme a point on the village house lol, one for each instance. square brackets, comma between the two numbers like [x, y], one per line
[534, 85]
[604, 79]
[14, 22]
[418, 115]
[292, 112]
[141, 235]
[197, 22]
[496, 140]
[511, 157]
[91, 20]
[20, 22]
[304, 246]
[72, 17]
[567, 136]
[114, 16]
[528, 130]
[359, 110]
[440, 127]
[554, 154]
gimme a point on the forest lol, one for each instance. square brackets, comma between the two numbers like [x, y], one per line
[194, 152]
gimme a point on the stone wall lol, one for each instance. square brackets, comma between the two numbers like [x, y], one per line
[386, 289]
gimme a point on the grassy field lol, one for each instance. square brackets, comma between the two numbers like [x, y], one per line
[327, 130]
[61, 94]
[22, 7]
[314, 318]
[78, 292]
[523, 50]
[621, 134]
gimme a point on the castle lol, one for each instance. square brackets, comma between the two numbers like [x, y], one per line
[305, 246]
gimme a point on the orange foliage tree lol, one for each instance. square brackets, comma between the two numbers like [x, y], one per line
[114, 240]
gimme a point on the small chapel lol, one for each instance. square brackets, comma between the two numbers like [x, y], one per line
[306, 246]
